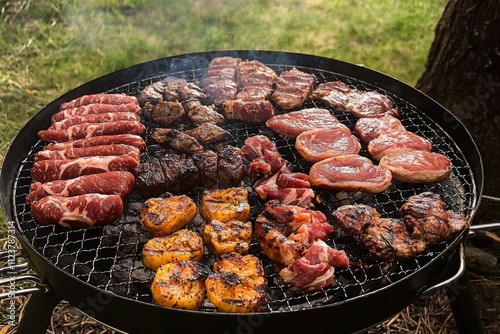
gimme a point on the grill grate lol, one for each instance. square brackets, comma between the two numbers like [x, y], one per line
[109, 258]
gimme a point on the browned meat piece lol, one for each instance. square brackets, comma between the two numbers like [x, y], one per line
[350, 172]
[352, 219]
[293, 123]
[176, 139]
[220, 81]
[456, 222]
[152, 93]
[389, 238]
[293, 88]
[395, 143]
[370, 128]
[417, 166]
[200, 114]
[359, 103]
[251, 111]
[180, 173]
[150, 180]
[177, 89]
[230, 167]
[206, 162]
[210, 135]
[166, 113]
[255, 80]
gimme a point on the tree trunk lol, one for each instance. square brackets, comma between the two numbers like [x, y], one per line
[463, 74]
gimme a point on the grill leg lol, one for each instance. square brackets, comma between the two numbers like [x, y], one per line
[463, 305]
[37, 313]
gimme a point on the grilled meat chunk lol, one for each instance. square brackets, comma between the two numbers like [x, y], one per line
[352, 219]
[206, 162]
[225, 204]
[237, 284]
[176, 139]
[211, 136]
[255, 80]
[166, 113]
[226, 237]
[394, 143]
[170, 89]
[200, 114]
[220, 80]
[178, 246]
[293, 88]
[150, 179]
[293, 123]
[162, 216]
[180, 284]
[152, 93]
[179, 172]
[230, 167]
[248, 111]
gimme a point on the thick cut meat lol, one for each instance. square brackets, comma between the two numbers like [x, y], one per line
[220, 81]
[152, 93]
[176, 139]
[395, 143]
[370, 128]
[166, 113]
[95, 109]
[263, 154]
[293, 88]
[255, 80]
[99, 98]
[389, 238]
[319, 144]
[101, 150]
[150, 179]
[352, 219]
[293, 123]
[206, 162]
[230, 167]
[50, 170]
[126, 139]
[349, 172]
[177, 89]
[200, 114]
[210, 135]
[179, 172]
[251, 111]
[118, 183]
[94, 118]
[359, 103]
[78, 211]
[87, 130]
[417, 166]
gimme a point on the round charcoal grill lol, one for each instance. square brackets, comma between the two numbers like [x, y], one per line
[99, 270]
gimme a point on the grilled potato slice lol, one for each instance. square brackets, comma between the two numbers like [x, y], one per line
[180, 284]
[225, 204]
[163, 216]
[181, 245]
[226, 237]
[237, 284]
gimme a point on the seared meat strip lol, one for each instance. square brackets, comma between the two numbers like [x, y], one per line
[99, 98]
[220, 81]
[255, 80]
[248, 111]
[200, 114]
[293, 123]
[210, 135]
[176, 139]
[370, 128]
[293, 88]
[394, 143]
[180, 173]
[170, 89]
[166, 113]
[417, 166]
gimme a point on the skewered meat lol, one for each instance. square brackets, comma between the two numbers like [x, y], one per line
[95, 118]
[350, 172]
[255, 80]
[352, 219]
[237, 284]
[101, 150]
[417, 166]
[86, 130]
[225, 204]
[319, 144]
[126, 139]
[78, 211]
[395, 143]
[111, 183]
[248, 111]
[293, 88]
[226, 237]
[178, 246]
[370, 128]
[263, 154]
[96, 108]
[200, 114]
[99, 98]
[206, 162]
[220, 81]
[162, 216]
[180, 284]
[50, 170]
[293, 123]
[166, 113]
[315, 269]
[210, 135]
[359, 103]
[176, 139]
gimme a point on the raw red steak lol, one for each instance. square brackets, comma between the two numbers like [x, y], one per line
[350, 172]
[395, 143]
[370, 128]
[295, 122]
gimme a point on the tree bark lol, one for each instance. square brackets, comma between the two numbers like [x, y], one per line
[463, 74]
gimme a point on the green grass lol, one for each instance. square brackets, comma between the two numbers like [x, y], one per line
[48, 47]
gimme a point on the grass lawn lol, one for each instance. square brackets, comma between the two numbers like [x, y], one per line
[48, 47]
